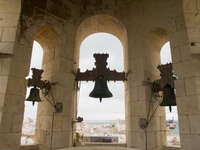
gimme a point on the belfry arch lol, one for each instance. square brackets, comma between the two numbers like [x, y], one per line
[102, 24]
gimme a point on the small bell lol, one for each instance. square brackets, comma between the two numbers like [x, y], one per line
[34, 95]
[169, 97]
[100, 89]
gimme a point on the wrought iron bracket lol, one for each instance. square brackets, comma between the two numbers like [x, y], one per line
[36, 81]
[101, 69]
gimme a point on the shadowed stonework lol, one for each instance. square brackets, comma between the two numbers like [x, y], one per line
[60, 26]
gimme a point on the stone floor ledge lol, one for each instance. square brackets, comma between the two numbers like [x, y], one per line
[98, 148]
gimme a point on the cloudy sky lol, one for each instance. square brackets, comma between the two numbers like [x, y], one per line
[90, 108]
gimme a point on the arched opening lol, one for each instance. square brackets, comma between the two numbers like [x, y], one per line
[51, 125]
[30, 112]
[102, 24]
[106, 119]
[172, 124]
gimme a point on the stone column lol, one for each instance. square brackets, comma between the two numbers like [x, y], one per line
[58, 67]
[186, 64]
[12, 75]
[142, 68]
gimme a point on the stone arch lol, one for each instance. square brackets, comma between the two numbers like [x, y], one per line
[54, 71]
[47, 37]
[106, 24]
[101, 23]
[54, 65]
[156, 38]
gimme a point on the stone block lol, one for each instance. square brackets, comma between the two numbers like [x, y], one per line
[62, 123]
[133, 124]
[163, 123]
[180, 88]
[139, 108]
[138, 140]
[10, 141]
[190, 142]
[3, 83]
[1, 114]
[14, 104]
[9, 35]
[17, 121]
[65, 65]
[44, 122]
[179, 70]
[194, 124]
[10, 6]
[9, 19]
[61, 139]
[16, 86]
[59, 92]
[22, 53]
[43, 137]
[152, 140]
[192, 85]
[184, 124]
[188, 105]
[6, 47]
[6, 123]
[4, 67]
[189, 68]
[29, 147]
[155, 124]
[44, 108]
[179, 38]
[19, 69]
[176, 54]
[1, 33]
[2, 100]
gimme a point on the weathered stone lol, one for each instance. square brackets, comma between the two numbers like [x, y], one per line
[61, 26]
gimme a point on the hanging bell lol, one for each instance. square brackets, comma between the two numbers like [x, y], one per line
[169, 97]
[34, 95]
[100, 89]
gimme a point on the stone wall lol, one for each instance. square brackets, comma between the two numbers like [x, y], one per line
[143, 26]
[11, 96]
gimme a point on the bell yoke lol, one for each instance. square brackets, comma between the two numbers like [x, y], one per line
[101, 74]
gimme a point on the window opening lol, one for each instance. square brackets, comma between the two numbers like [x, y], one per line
[105, 121]
[172, 124]
[30, 112]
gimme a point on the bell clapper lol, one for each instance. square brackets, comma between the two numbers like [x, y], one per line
[170, 108]
[100, 99]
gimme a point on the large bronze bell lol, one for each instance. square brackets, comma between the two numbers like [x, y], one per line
[100, 89]
[34, 95]
[169, 97]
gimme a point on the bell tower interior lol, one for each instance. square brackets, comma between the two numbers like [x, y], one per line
[60, 27]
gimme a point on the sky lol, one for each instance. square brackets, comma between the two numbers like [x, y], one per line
[36, 62]
[90, 108]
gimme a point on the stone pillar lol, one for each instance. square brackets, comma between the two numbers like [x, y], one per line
[142, 68]
[12, 75]
[186, 64]
[58, 67]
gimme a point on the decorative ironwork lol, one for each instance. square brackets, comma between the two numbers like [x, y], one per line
[101, 70]
[166, 85]
[37, 84]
